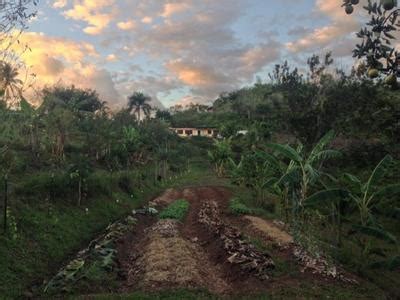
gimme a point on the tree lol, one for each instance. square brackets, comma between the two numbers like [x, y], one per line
[163, 115]
[138, 102]
[14, 16]
[10, 83]
[74, 99]
[376, 46]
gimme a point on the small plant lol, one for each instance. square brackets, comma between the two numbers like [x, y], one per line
[176, 210]
[238, 208]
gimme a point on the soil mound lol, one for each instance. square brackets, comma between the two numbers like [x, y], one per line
[272, 231]
[169, 196]
[170, 261]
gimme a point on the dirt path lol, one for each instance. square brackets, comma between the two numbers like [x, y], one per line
[207, 251]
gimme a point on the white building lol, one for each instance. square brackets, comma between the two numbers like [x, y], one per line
[197, 131]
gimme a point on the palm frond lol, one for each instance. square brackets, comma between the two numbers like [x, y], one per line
[387, 191]
[378, 173]
[324, 155]
[271, 161]
[322, 143]
[376, 232]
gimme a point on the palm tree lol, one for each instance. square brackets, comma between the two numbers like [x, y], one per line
[9, 82]
[139, 102]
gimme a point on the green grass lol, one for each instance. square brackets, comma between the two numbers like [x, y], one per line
[176, 210]
[48, 235]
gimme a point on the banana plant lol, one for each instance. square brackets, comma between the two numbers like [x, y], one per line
[366, 195]
[303, 169]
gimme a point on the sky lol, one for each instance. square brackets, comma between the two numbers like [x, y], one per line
[180, 51]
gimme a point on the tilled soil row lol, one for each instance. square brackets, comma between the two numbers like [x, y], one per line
[170, 261]
[240, 252]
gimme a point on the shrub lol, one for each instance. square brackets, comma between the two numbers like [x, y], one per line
[176, 210]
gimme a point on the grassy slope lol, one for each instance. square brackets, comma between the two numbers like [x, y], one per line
[44, 241]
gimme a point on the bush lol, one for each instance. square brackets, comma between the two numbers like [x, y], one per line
[176, 210]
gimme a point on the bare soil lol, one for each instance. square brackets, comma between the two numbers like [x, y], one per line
[213, 254]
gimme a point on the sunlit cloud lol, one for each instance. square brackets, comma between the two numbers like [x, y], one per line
[174, 8]
[96, 13]
[60, 3]
[147, 20]
[66, 62]
[128, 25]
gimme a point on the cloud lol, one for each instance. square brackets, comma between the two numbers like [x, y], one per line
[60, 3]
[147, 20]
[126, 25]
[112, 58]
[174, 8]
[191, 99]
[96, 13]
[67, 62]
[195, 74]
[339, 29]
[171, 48]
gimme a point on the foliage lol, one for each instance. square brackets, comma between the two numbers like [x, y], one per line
[237, 207]
[303, 170]
[176, 210]
[367, 195]
[220, 155]
[101, 254]
[138, 102]
[377, 37]
[252, 171]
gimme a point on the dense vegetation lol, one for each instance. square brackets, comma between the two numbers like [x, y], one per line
[321, 153]
[68, 168]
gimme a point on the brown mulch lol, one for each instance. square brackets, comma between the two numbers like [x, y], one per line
[271, 230]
